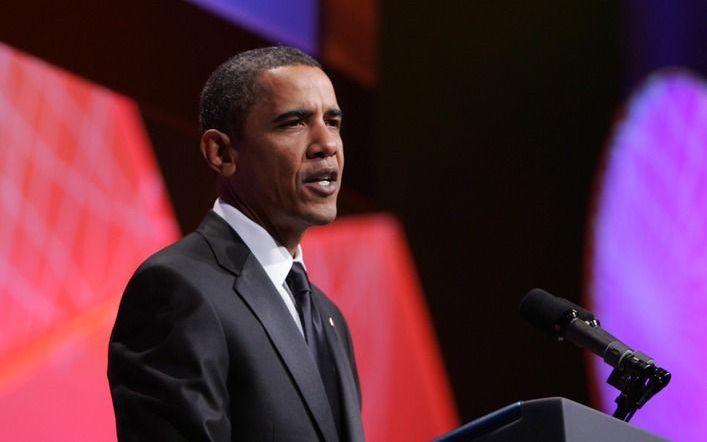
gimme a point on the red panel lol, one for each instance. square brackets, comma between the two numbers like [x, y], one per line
[350, 38]
[82, 204]
[364, 264]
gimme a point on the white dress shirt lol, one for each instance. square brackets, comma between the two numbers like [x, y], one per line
[275, 258]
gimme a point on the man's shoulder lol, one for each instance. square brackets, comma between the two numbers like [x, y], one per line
[192, 247]
[209, 253]
[173, 265]
[197, 246]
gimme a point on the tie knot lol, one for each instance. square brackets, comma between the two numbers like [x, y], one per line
[297, 279]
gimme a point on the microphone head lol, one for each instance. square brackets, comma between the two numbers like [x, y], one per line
[548, 312]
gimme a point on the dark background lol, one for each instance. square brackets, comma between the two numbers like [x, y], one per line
[494, 121]
[484, 135]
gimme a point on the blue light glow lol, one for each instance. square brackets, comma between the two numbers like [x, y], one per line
[291, 22]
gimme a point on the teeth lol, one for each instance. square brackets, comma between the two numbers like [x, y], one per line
[325, 177]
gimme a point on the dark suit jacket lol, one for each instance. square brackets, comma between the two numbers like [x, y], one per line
[204, 349]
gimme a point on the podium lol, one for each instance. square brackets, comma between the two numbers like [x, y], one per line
[548, 420]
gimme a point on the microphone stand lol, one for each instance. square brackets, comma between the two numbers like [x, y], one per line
[638, 379]
[635, 374]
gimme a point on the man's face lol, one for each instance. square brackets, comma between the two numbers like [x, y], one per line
[290, 158]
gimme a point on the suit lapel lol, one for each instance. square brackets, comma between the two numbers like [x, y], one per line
[255, 288]
[350, 398]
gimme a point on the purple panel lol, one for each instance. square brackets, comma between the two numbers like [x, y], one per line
[649, 269]
[291, 22]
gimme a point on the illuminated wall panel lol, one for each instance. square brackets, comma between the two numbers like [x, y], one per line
[291, 22]
[365, 265]
[82, 204]
[649, 266]
[350, 38]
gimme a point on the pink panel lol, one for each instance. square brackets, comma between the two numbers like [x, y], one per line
[649, 266]
[82, 204]
[364, 264]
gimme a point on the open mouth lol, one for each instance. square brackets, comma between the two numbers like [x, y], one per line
[323, 178]
[322, 182]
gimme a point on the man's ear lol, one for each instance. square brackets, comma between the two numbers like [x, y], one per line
[219, 152]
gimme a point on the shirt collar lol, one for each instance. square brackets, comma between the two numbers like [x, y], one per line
[275, 258]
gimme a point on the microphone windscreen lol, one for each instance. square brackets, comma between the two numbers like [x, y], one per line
[546, 311]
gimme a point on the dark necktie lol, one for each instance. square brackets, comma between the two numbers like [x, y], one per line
[313, 328]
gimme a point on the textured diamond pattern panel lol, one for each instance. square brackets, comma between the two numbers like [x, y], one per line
[81, 204]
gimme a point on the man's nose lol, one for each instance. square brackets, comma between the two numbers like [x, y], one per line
[325, 141]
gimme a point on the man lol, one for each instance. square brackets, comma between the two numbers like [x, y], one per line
[220, 337]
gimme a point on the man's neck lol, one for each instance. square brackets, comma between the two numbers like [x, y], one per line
[288, 239]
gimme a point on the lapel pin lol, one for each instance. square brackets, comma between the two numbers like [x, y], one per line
[331, 321]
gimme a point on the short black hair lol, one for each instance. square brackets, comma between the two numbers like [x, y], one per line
[230, 91]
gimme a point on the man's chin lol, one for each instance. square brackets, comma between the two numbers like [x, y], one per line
[322, 216]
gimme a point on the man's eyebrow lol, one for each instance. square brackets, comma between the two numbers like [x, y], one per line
[299, 114]
[335, 112]
[304, 114]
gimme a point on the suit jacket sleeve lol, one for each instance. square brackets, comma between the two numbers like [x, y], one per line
[168, 362]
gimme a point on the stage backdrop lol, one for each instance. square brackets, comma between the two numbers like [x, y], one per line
[648, 281]
[83, 203]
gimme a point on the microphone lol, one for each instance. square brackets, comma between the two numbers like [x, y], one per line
[635, 374]
[567, 321]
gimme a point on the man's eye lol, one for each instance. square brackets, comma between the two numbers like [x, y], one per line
[334, 122]
[291, 123]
